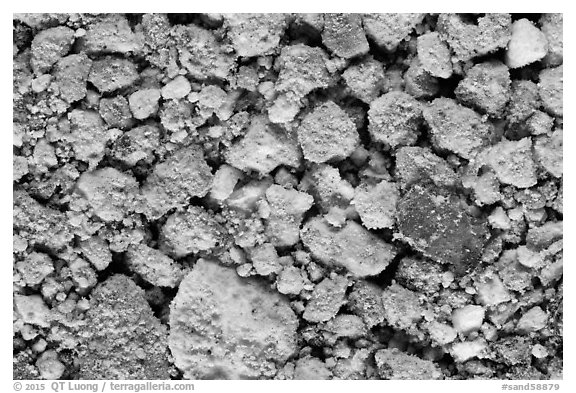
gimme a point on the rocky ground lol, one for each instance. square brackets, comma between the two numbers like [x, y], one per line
[287, 196]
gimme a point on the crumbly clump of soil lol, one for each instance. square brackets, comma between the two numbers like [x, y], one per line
[288, 196]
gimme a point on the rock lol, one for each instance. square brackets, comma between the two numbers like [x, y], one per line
[326, 300]
[301, 69]
[19, 167]
[434, 222]
[418, 82]
[238, 331]
[144, 103]
[365, 79]
[192, 231]
[486, 87]
[527, 44]
[352, 247]
[213, 100]
[388, 30]
[247, 198]
[532, 320]
[552, 27]
[512, 350]
[247, 78]
[112, 73]
[486, 188]
[41, 83]
[70, 75]
[38, 224]
[345, 325]
[290, 281]
[365, 300]
[181, 175]
[512, 162]
[376, 204]
[49, 366]
[353, 367]
[263, 148]
[402, 309]
[468, 40]
[138, 144]
[550, 274]
[327, 187]
[83, 276]
[415, 164]
[96, 251]
[419, 275]
[514, 275]
[456, 128]
[200, 53]
[35, 268]
[284, 109]
[441, 333]
[287, 208]
[311, 368]
[110, 193]
[32, 310]
[466, 350]
[116, 112]
[254, 34]
[176, 89]
[154, 266]
[548, 153]
[343, 35]
[394, 119]
[111, 35]
[539, 351]
[434, 55]
[49, 46]
[88, 136]
[491, 291]
[224, 182]
[327, 134]
[44, 155]
[539, 123]
[265, 259]
[122, 339]
[524, 101]
[551, 90]
[468, 319]
[499, 219]
[41, 20]
[393, 364]
[541, 237]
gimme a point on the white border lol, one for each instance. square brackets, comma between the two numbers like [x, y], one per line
[11, 7]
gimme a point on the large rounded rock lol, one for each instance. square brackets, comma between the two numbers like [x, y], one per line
[225, 327]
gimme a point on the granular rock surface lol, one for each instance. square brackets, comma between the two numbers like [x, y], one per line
[288, 196]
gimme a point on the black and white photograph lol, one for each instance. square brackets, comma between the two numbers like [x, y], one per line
[287, 196]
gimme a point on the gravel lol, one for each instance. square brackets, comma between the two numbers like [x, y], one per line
[288, 196]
